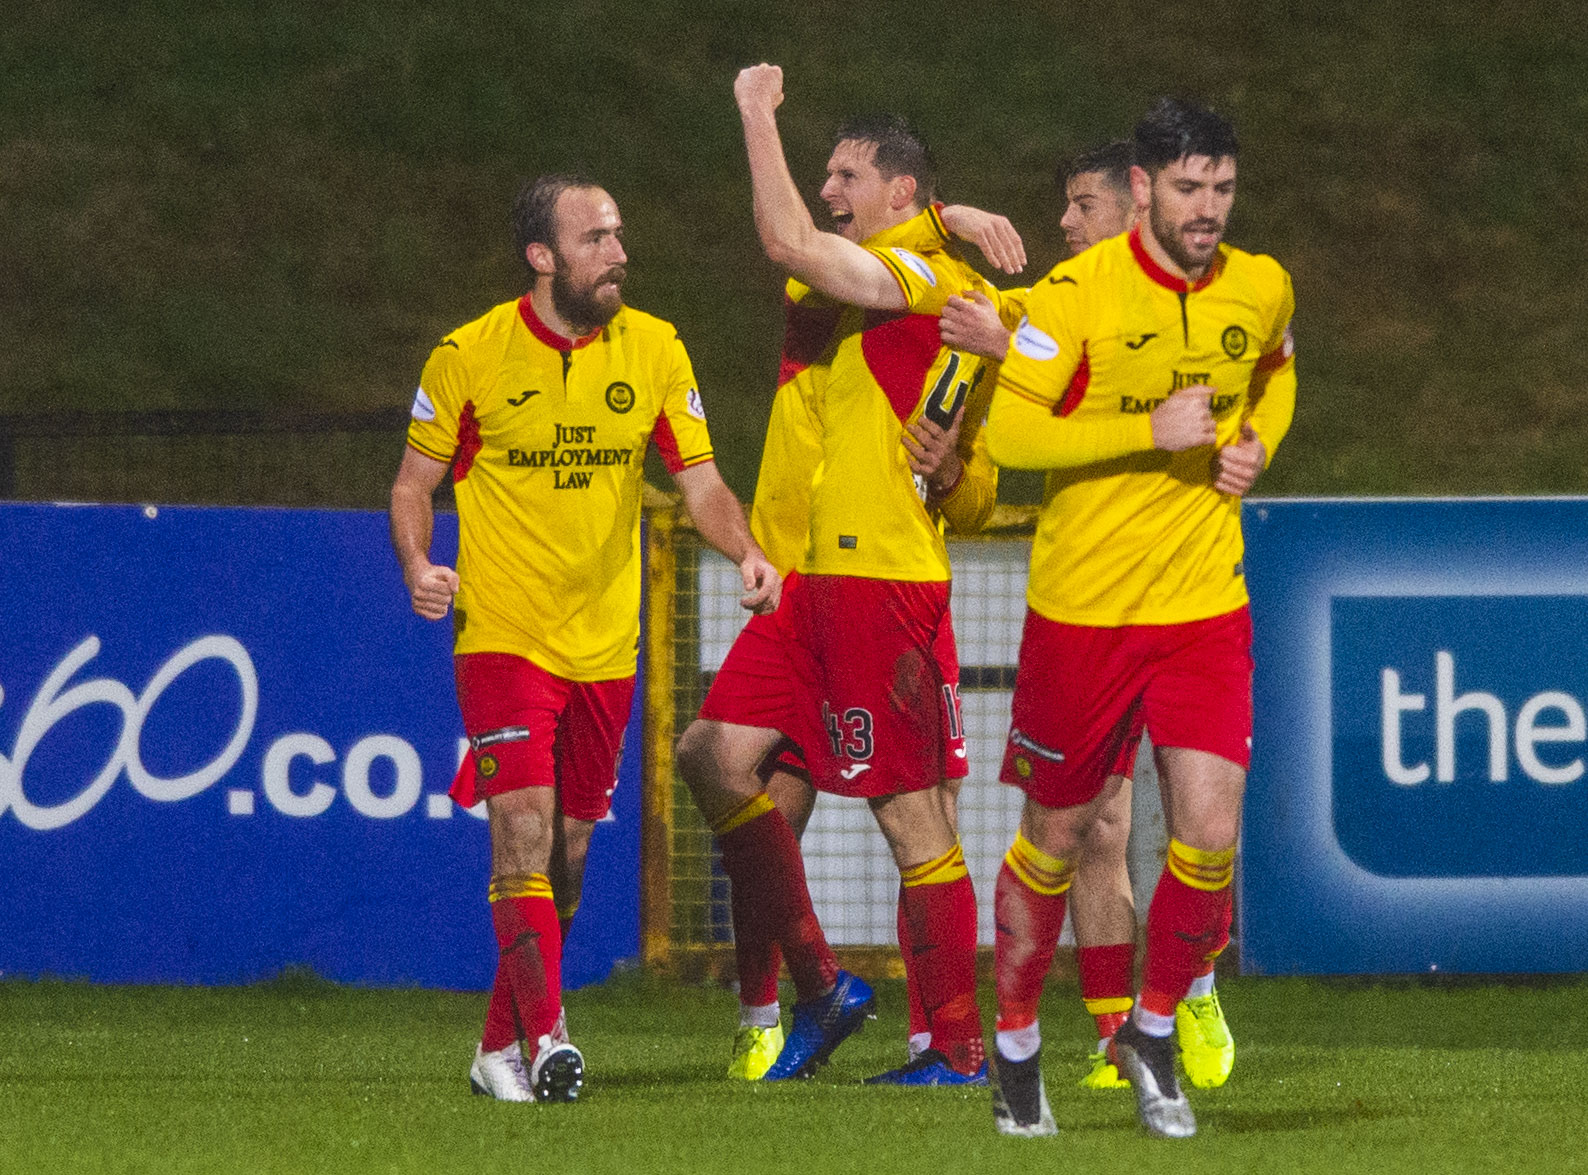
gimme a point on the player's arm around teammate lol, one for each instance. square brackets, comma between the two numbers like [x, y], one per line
[1170, 350]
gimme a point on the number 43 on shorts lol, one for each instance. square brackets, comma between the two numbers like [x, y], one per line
[851, 737]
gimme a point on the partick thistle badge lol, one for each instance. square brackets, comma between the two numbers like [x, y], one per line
[1234, 340]
[620, 397]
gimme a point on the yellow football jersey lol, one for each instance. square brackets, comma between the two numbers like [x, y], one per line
[780, 517]
[1129, 534]
[870, 516]
[547, 440]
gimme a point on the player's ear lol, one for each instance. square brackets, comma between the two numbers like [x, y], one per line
[540, 258]
[903, 192]
[1140, 186]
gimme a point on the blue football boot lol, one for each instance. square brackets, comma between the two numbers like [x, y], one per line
[930, 1068]
[821, 1025]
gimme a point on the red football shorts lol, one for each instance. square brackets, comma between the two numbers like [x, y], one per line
[1083, 696]
[528, 727]
[862, 674]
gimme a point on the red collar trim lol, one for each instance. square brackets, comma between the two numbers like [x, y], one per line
[1166, 279]
[526, 311]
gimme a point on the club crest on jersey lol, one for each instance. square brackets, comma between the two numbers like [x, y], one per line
[620, 397]
[696, 406]
[916, 265]
[1035, 344]
[423, 409]
[1234, 340]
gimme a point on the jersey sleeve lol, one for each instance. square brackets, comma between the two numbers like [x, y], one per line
[680, 434]
[1011, 305]
[1272, 394]
[967, 507]
[928, 279]
[439, 403]
[1045, 356]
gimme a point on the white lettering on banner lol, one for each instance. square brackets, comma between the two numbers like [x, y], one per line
[355, 777]
[55, 700]
[277, 780]
[1448, 706]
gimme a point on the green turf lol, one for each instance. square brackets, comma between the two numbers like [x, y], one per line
[303, 1076]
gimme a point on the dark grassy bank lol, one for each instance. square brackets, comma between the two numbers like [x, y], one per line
[278, 206]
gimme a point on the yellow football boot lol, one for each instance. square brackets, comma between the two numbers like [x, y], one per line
[1207, 1050]
[1103, 1074]
[754, 1050]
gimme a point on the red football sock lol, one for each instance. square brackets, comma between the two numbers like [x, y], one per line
[530, 962]
[762, 860]
[939, 918]
[1187, 924]
[1028, 909]
[755, 953]
[1108, 976]
[912, 984]
[501, 1026]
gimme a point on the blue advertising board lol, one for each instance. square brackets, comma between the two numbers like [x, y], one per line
[225, 746]
[1418, 799]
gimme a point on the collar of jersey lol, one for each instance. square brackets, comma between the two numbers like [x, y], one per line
[1166, 279]
[922, 231]
[526, 311]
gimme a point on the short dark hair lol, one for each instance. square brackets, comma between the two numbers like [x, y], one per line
[1111, 160]
[1176, 128]
[900, 150]
[535, 210]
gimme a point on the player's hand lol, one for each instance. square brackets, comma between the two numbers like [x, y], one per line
[933, 451]
[1184, 420]
[1236, 467]
[759, 87]
[994, 235]
[763, 586]
[431, 588]
[972, 324]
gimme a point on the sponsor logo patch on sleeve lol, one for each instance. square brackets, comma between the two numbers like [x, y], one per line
[1035, 344]
[696, 406]
[916, 265]
[423, 409]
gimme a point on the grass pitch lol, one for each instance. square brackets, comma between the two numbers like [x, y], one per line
[299, 1075]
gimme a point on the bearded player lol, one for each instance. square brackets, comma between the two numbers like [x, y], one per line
[1154, 378]
[1099, 205]
[543, 410]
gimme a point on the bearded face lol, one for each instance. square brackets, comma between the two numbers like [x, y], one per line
[1190, 209]
[590, 303]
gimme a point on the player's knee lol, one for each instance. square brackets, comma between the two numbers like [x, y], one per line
[521, 831]
[1211, 832]
[1106, 838]
[696, 757]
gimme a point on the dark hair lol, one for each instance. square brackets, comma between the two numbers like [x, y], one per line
[1176, 128]
[1111, 160]
[535, 210]
[900, 150]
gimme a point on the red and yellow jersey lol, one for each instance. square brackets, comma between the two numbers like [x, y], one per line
[780, 517]
[869, 514]
[1129, 534]
[547, 440]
